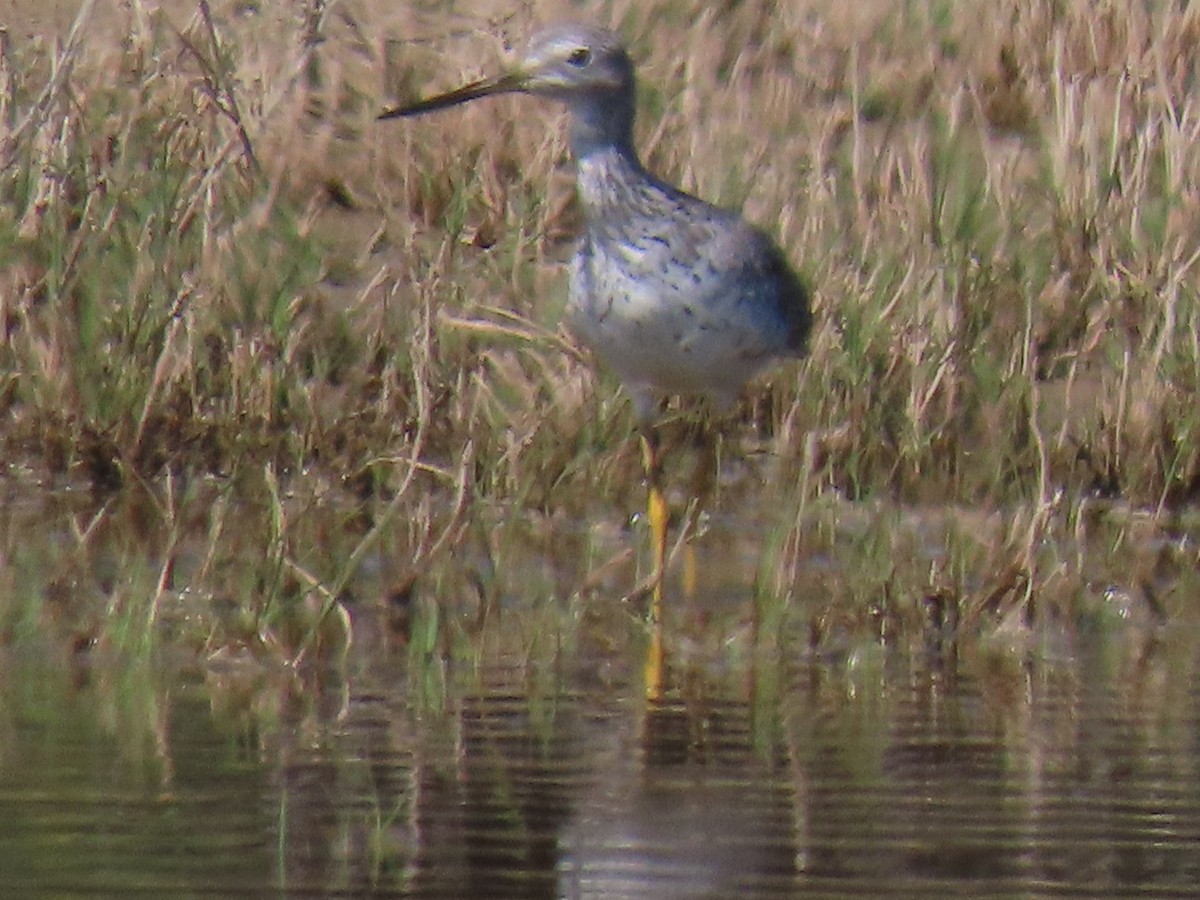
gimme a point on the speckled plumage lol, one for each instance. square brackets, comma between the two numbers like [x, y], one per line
[672, 294]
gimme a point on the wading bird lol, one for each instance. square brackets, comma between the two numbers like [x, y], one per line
[673, 294]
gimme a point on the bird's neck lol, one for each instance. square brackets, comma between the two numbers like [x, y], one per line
[609, 173]
[610, 179]
[602, 124]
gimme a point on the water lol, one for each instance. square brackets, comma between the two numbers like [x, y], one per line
[488, 732]
[877, 773]
[110, 794]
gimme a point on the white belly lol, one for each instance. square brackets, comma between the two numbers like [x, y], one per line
[667, 334]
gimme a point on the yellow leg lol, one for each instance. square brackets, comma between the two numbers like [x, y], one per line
[659, 514]
[655, 671]
[690, 573]
[703, 481]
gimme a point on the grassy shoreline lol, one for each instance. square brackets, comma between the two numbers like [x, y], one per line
[213, 261]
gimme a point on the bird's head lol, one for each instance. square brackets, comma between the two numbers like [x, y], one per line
[564, 62]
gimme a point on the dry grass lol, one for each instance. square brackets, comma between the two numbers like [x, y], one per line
[212, 259]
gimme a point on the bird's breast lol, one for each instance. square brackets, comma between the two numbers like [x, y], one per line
[659, 323]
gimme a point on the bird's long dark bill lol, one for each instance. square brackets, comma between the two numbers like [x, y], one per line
[502, 84]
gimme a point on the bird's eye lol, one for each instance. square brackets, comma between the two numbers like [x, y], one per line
[580, 57]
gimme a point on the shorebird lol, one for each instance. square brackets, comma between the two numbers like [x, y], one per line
[672, 294]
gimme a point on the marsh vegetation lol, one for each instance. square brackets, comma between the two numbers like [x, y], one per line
[224, 287]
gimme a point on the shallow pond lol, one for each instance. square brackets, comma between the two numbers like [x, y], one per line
[875, 774]
[520, 754]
